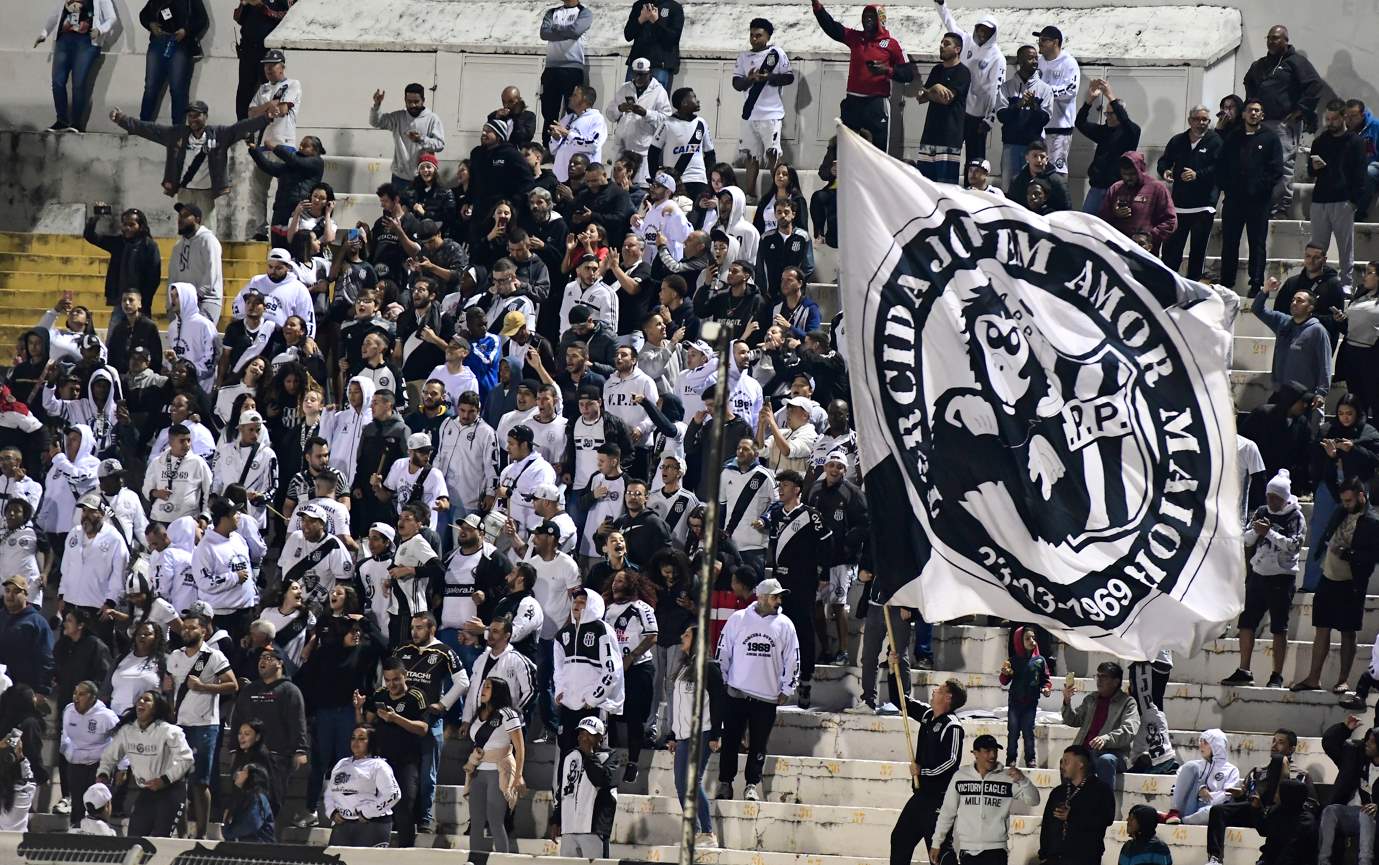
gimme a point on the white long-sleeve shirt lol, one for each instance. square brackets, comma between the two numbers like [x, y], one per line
[976, 807]
[1062, 74]
[985, 62]
[588, 132]
[760, 655]
[330, 564]
[93, 568]
[189, 480]
[157, 751]
[280, 300]
[618, 393]
[633, 132]
[85, 736]
[745, 496]
[364, 789]
[254, 467]
[467, 456]
[223, 573]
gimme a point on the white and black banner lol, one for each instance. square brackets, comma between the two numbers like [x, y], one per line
[1054, 406]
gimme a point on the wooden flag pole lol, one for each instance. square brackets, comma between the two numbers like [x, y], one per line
[902, 687]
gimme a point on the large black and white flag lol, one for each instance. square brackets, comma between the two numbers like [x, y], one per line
[1043, 414]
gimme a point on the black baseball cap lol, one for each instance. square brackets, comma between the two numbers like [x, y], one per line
[547, 528]
[274, 55]
[522, 433]
[181, 207]
[590, 391]
[986, 742]
[1049, 32]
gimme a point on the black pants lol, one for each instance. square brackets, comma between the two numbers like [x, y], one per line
[79, 777]
[557, 83]
[799, 609]
[405, 812]
[362, 833]
[1251, 217]
[757, 717]
[984, 857]
[1229, 814]
[872, 113]
[638, 690]
[250, 75]
[915, 824]
[974, 134]
[156, 814]
[1194, 230]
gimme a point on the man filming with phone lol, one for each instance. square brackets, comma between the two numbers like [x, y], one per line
[638, 107]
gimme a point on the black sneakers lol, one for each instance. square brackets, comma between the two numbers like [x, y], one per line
[804, 696]
[1239, 677]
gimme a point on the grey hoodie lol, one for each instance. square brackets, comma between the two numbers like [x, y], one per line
[564, 28]
[196, 260]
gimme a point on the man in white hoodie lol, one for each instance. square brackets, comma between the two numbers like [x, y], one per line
[982, 57]
[732, 218]
[177, 482]
[223, 572]
[1204, 782]
[759, 654]
[1274, 537]
[638, 107]
[588, 667]
[976, 808]
[345, 426]
[251, 462]
[72, 474]
[170, 560]
[191, 335]
[94, 561]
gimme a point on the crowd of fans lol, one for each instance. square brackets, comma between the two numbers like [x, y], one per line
[443, 476]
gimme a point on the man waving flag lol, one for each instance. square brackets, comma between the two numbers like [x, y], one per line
[1053, 404]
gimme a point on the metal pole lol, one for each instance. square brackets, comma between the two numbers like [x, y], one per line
[720, 342]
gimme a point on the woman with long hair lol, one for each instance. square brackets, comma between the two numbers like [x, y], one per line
[492, 244]
[17, 789]
[182, 378]
[427, 197]
[250, 380]
[462, 212]
[245, 402]
[670, 570]
[591, 240]
[493, 774]
[21, 720]
[785, 185]
[631, 609]
[1348, 448]
[681, 726]
[159, 762]
[251, 817]
[143, 604]
[249, 749]
[26, 371]
[360, 797]
[1228, 118]
[1358, 363]
[292, 619]
[315, 214]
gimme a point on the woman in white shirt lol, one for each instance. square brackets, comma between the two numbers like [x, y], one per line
[360, 795]
[139, 671]
[16, 787]
[493, 775]
[292, 621]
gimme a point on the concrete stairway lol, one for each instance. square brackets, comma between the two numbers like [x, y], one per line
[35, 269]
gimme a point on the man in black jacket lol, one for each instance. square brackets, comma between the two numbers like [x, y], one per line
[653, 27]
[515, 111]
[297, 171]
[1077, 815]
[135, 262]
[1251, 163]
[843, 509]
[1338, 165]
[497, 170]
[1288, 89]
[1189, 167]
[133, 329]
[381, 441]
[938, 753]
[1037, 166]
[278, 703]
[1322, 282]
[1357, 768]
[602, 202]
[1116, 136]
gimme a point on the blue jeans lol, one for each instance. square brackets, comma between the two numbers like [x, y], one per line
[202, 741]
[1092, 203]
[1020, 722]
[74, 56]
[924, 639]
[1108, 766]
[430, 763]
[330, 742]
[702, 817]
[1012, 161]
[168, 64]
[665, 76]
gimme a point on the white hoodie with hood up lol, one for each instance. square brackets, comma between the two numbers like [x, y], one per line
[100, 418]
[67, 480]
[986, 63]
[171, 569]
[588, 662]
[1220, 775]
[737, 225]
[342, 429]
[191, 335]
[217, 566]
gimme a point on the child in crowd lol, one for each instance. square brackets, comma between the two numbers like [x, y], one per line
[96, 802]
[1144, 847]
[1028, 677]
[252, 817]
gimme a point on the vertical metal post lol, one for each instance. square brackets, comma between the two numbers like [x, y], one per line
[719, 338]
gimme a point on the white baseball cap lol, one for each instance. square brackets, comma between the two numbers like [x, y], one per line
[593, 725]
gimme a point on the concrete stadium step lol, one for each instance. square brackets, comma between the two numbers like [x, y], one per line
[1279, 268]
[1220, 658]
[1251, 389]
[95, 264]
[1252, 353]
[1193, 705]
[74, 244]
[1287, 237]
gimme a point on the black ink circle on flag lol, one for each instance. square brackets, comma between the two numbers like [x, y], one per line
[1052, 433]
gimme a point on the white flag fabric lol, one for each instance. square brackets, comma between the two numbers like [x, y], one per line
[1043, 414]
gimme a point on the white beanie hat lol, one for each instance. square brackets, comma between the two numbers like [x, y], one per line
[1280, 485]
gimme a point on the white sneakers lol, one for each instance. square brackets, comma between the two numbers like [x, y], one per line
[705, 839]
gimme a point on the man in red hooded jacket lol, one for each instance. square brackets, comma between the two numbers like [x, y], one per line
[1140, 203]
[876, 60]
